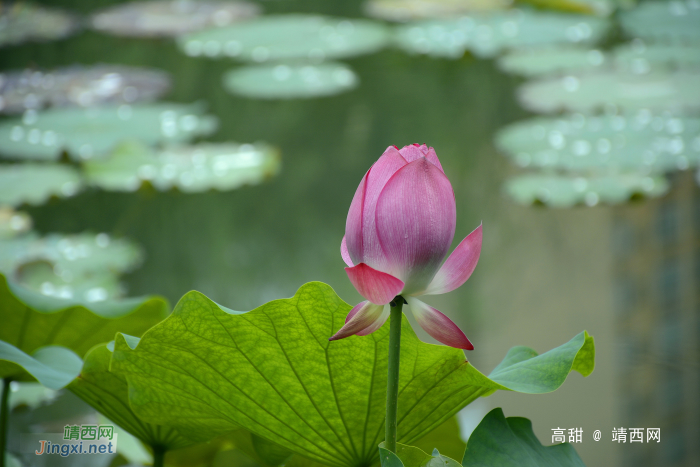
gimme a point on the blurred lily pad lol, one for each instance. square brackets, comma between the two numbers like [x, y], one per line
[290, 81]
[31, 320]
[83, 266]
[36, 183]
[657, 90]
[536, 61]
[640, 141]
[93, 132]
[673, 21]
[13, 223]
[31, 395]
[406, 10]
[22, 21]
[564, 191]
[488, 34]
[635, 58]
[202, 167]
[170, 17]
[80, 86]
[283, 37]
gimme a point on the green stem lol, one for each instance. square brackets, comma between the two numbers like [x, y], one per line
[158, 456]
[392, 384]
[4, 416]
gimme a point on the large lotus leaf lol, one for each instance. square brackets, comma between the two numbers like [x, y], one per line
[207, 369]
[36, 183]
[488, 34]
[657, 90]
[564, 191]
[290, 81]
[108, 393]
[93, 132]
[639, 57]
[31, 320]
[22, 21]
[170, 17]
[411, 456]
[446, 437]
[90, 286]
[53, 366]
[641, 141]
[286, 37]
[671, 21]
[406, 10]
[80, 86]
[202, 167]
[510, 442]
[13, 223]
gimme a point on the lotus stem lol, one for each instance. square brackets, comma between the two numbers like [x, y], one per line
[392, 385]
[4, 416]
[158, 456]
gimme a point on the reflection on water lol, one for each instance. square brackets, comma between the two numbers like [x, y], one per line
[544, 274]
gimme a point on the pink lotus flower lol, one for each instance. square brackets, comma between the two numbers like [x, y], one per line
[399, 229]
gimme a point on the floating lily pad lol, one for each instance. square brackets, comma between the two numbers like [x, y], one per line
[675, 20]
[282, 37]
[674, 91]
[84, 266]
[13, 223]
[563, 191]
[640, 141]
[636, 58]
[80, 86]
[21, 22]
[639, 57]
[546, 60]
[290, 81]
[170, 18]
[36, 183]
[93, 132]
[406, 10]
[31, 320]
[70, 256]
[486, 35]
[190, 169]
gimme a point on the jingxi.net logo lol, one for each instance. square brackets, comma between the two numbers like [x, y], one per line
[76, 439]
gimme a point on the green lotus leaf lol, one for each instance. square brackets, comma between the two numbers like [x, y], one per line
[407, 10]
[589, 7]
[94, 132]
[168, 18]
[108, 393]
[488, 34]
[411, 456]
[564, 191]
[53, 366]
[13, 223]
[80, 86]
[666, 21]
[535, 61]
[31, 320]
[589, 92]
[510, 442]
[639, 57]
[446, 437]
[641, 141]
[36, 183]
[288, 37]
[23, 22]
[207, 370]
[202, 167]
[290, 81]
